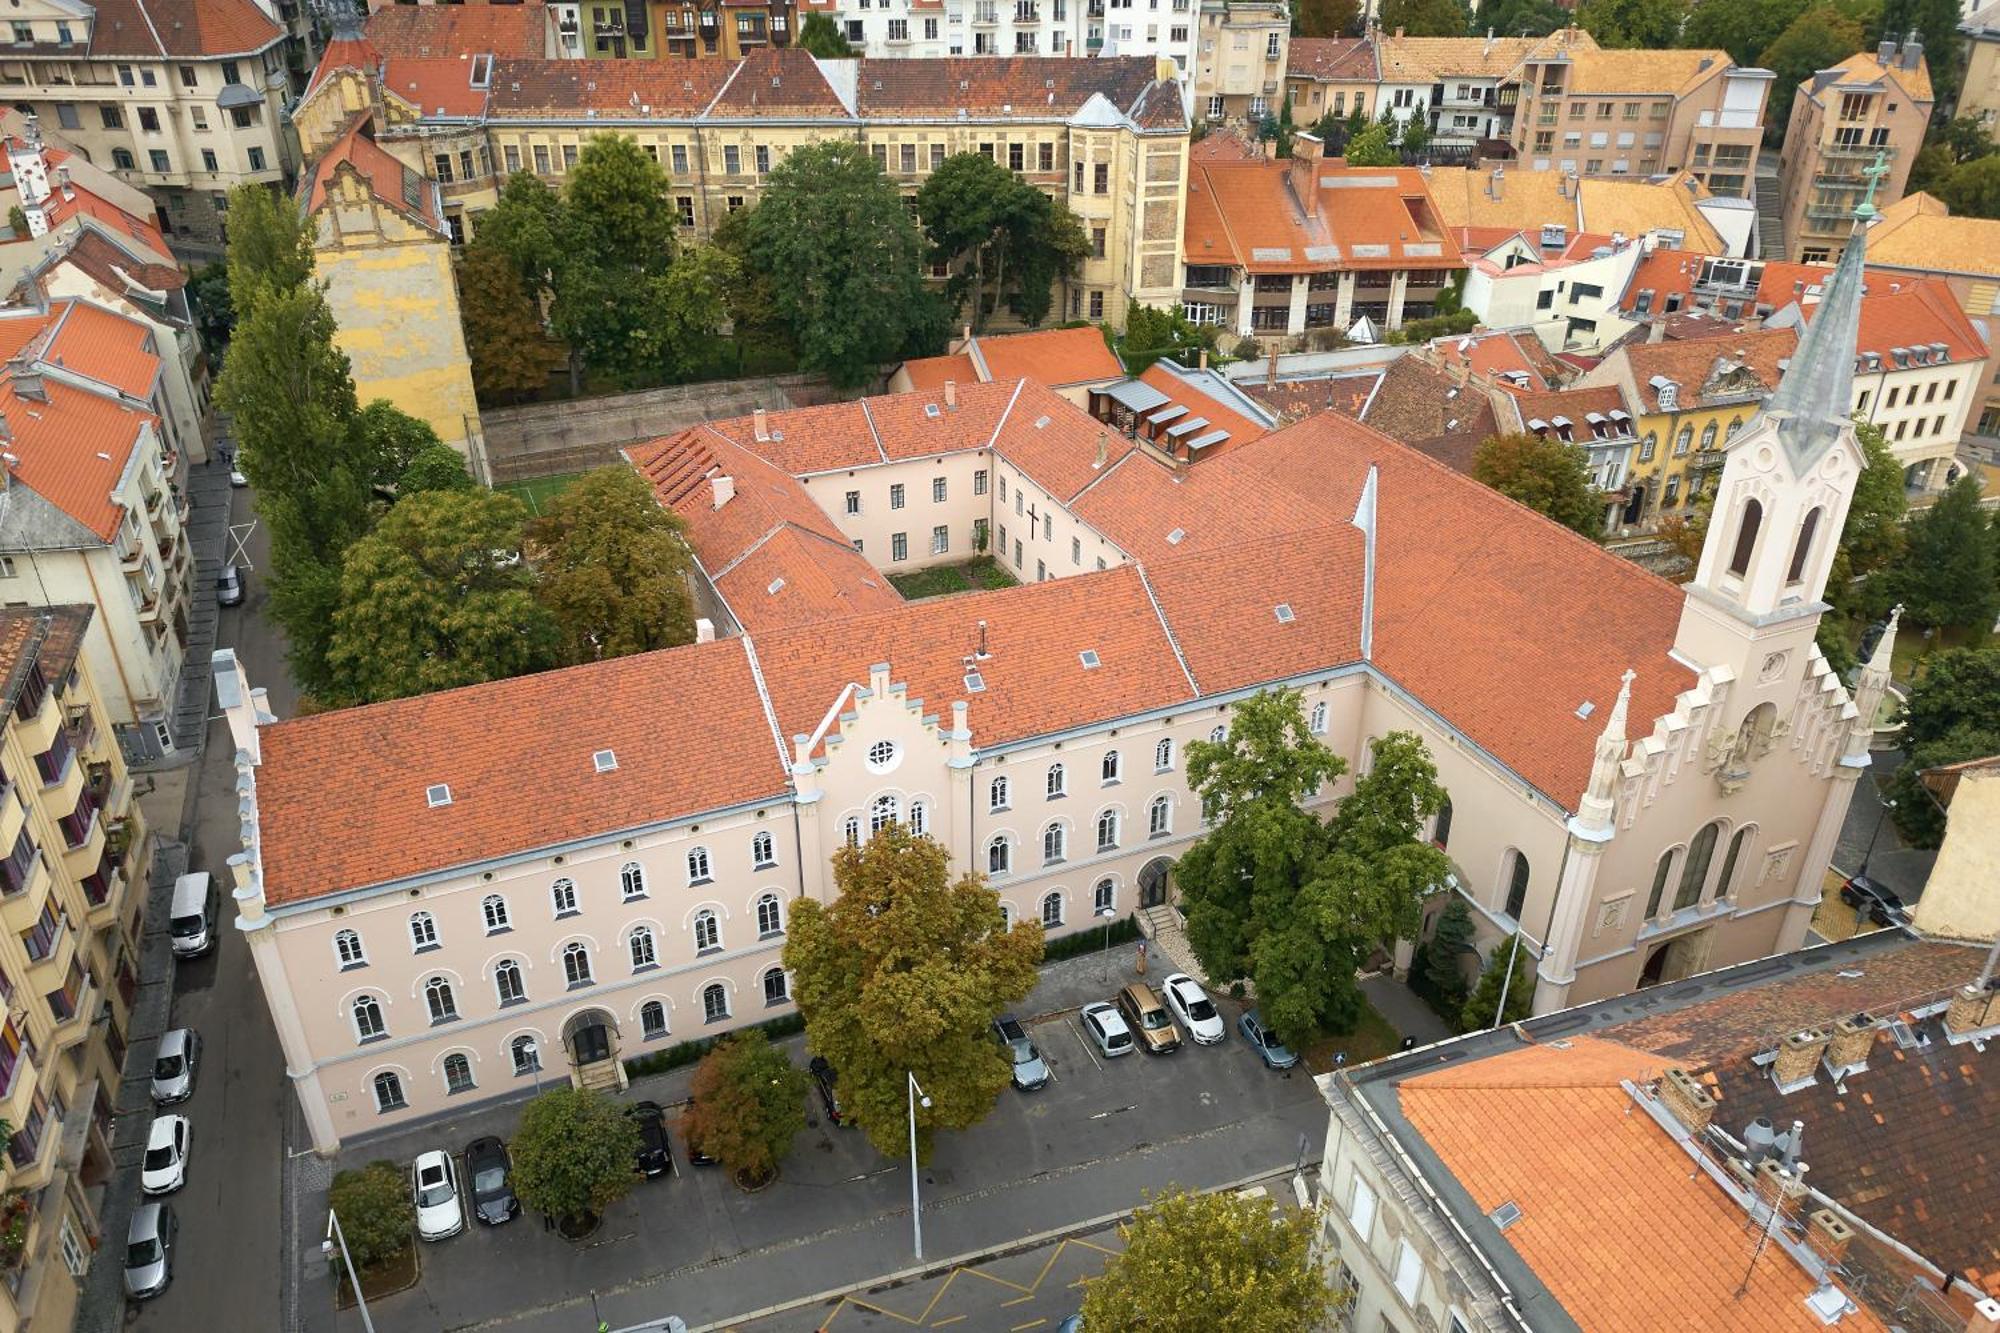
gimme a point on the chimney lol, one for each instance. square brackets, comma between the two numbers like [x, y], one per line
[1781, 1189]
[1853, 1038]
[1913, 50]
[1496, 183]
[1302, 172]
[1985, 1317]
[1973, 1008]
[6, 435]
[1687, 1101]
[965, 338]
[1103, 448]
[951, 394]
[704, 630]
[724, 488]
[27, 379]
[1885, 53]
[1489, 43]
[761, 423]
[1204, 359]
[1797, 1054]
[1828, 1235]
[1399, 34]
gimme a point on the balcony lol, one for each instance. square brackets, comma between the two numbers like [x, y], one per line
[84, 1004]
[130, 551]
[1861, 151]
[1027, 13]
[986, 16]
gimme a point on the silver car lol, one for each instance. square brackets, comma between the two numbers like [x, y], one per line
[1107, 1030]
[174, 1066]
[149, 1250]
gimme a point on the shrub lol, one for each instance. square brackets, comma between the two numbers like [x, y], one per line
[748, 1105]
[377, 1218]
[1124, 930]
[573, 1153]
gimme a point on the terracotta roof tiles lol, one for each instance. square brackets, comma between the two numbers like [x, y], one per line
[782, 82]
[1245, 214]
[449, 31]
[1054, 357]
[530, 88]
[1918, 232]
[1330, 59]
[181, 28]
[389, 179]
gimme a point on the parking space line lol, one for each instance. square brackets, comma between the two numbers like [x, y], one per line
[1032, 1323]
[953, 1320]
[1018, 1300]
[1077, 1032]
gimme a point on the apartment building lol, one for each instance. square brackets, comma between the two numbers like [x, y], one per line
[1979, 93]
[1334, 76]
[1640, 113]
[1918, 237]
[1467, 88]
[1873, 107]
[94, 510]
[183, 103]
[928, 29]
[1239, 62]
[72, 889]
[1289, 248]
[670, 29]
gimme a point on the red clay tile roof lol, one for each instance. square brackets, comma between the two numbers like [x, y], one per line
[389, 179]
[77, 201]
[1054, 357]
[836, 436]
[528, 89]
[1222, 144]
[517, 757]
[779, 81]
[440, 86]
[931, 372]
[448, 31]
[116, 270]
[798, 577]
[1908, 314]
[70, 447]
[1293, 399]
[1186, 390]
[356, 53]
[683, 468]
[1692, 364]
[1576, 404]
[1432, 411]
[103, 345]
[181, 28]
[1020, 87]
[1493, 354]
[1245, 215]
[1331, 58]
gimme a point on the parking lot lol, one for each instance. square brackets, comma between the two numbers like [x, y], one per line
[1094, 1141]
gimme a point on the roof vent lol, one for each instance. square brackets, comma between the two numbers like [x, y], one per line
[1506, 1215]
[604, 761]
[436, 795]
[1586, 708]
[1177, 536]
[1089, 659]
[1041, 422]
[1283, 610]
[1830, 1303]
[975, 683]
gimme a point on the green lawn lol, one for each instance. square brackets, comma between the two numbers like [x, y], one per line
[538, 491]
[942, 580]
[1371, 1039]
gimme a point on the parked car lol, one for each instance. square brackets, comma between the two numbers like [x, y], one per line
[1875, 901]
[1191, 1005]
[149, 1250]
[655, 1158]
[1144, 1014]
[174, 1066]
[229, 586]
[1030, 1070]
[237, 479]
[434, 1188]
[493, 1200]
[1106, 1029]
[824, 1078]
[1073, 1324]
[1274, 1053]
[165, 1167]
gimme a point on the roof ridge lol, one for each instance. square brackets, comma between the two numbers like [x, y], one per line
[873, 434]
[763, 693]
[1173, 640]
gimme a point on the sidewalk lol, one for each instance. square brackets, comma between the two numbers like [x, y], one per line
[209, 496]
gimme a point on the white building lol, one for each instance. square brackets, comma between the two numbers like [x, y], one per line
[931, 28]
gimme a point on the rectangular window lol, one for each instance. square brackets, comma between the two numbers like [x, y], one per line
[1097, 242]
[763, 159]
[511, 155]
[940, 539]
[1101, 178]
[1076, 551]
[465, 171]
[684, 204]
[113, 119]
[569, 157]
[1077, 171]
[1017, 157]
[930, 30]
[732, 160]
[158, 157]
[256, 156]
[906, 158]
[243, 117]
[1271, 47]
[937, 490]
[149, 120]
[1045, 157]
[853, 503]
[896, 495]
[937, 156]
[443, 161]
[979, 482]
[1361, 1212]
[66, 116]
[208, 162]
[1409, 1271]
[542, 159]
[899, 546]
[1097, 305]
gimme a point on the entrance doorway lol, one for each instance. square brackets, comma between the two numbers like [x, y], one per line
[1156, 882]
[1680, 957]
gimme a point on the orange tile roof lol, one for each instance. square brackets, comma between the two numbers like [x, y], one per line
[1691, 363]
[440, 86]
[77, 201]
[70, 446]
[1907, 313]
[931, 372]
[449, 31]
[356, 53]
[517, 757]
[1866, 66]
[1184, 389]
[103, 345]
[833, 437]
[682, 469]
[389, 178]
[1223, 144]
[1331, 59]
[534, 88]
[181, 28]
[1497, 353]
[779, 81]
[1918, 232]
[1056, 444]
[1055, 357]
[799, 578]
[1244, 214]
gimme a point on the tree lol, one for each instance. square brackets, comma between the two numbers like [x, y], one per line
[748, 1105]
[1485, 1002]
[1873, 537]
[1953, 714]
[1152, 333]
[1426, 18]
[1194, 1262]
[1966, 139]
[214, 316]
[1450, 942]
[270, 247]
[435, 467]
[376, 1215]
[754, 312]
[619, 246]
[436, 597]
[1743, 28]
[819, 35]
[512, 355]
[1548, 475]
[1936, 22]
[573, 1153]
[1646, 24]
[1324, 18]
[386, 439]
[1371, 148]
[963, 204]
[613, 568]
[1819, 38]
[1044, 244]
[1414, 135]
[1973, 190]
[1949, 577]
[846, 260]
[530, 224]
[691, 303]
[903, 974]
[1523, 18]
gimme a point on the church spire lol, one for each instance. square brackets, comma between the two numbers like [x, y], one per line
[1871, 685]
[1600, 797]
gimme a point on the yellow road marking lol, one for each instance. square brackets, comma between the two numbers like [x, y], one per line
[1018, 1300]
[1032, 1323]
[953, 1320]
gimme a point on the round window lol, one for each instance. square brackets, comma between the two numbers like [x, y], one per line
[882, 756]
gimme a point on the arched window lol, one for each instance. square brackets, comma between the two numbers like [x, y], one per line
[1694, 871]
[1053, 783]
[1053, 843]
[576, 963]
[1441, 830]
[1735, 424]
[776, 989]
[763, 852]
[999, 855]
[885, 811]
[1746, 537]
[1160, 816]
[1163, 755]
[1052, 910]
[714, 1002]
[1660, 872]
[526, 1054]
[494, 908]
[1108, 770]
[1316, 720]
[368, 1024]
[770, 917]
[1006, 917]
[562, 895]
[698, 872]
[1107, 830]
[457, 1074]
[920, 818]
[707, 931]
[347, 948]
[443, 1006]
[1105, 896]
[423, 932]
[1517, 885]
[507, 984]
[1683, 440]
[1739, 842]
[389, 1091]
[996, 794]
[632, 875]
[1802, 548]
[850, 830]
[1708, 436]
[653, 1020]
[644, 955]
[1754, 733]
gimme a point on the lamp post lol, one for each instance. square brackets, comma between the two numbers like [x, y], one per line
[1107, 915]
[333, 1234]
[1880, 819]
[535, 1063]
[916, 1205]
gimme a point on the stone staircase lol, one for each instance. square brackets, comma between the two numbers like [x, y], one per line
[603, 1075]
[1770, 216]
[1168, 935]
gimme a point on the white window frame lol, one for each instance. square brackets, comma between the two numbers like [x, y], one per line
[775, 925]
[503, 968]
[493, 910]
[643, 949]
[721, 1014]
[562, 897]
[1160, 816]
[1055, 843]
[373, 1003]
[423, 932]
[707, 930]
[1055, 783]
[1052, 920]
[996, 795]
[646, 1032]
[999, 855]
[1163, 755]
[341, 940]
[763, 851]
[1361, 1208]
[575, 975]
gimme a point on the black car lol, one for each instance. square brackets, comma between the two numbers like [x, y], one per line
[655, 1158]
[823, 1079]
[486, 1165]
[1877, 902]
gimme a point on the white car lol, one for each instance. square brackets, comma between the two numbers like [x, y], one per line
[1191, 1005]
[1107, 1029]
[165, 1168]
[434, 1187]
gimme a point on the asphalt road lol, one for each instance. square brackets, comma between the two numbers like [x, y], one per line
[1904, 869]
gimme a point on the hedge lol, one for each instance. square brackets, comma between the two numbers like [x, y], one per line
[688, 1052]
[1123, 930]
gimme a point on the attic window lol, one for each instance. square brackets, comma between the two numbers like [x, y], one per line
[1283, 610]
[482, 71]
[1177, 536]
[437, 795]
[604, 761]
[1089, 659]
[931, 411]
[975, 683]
[1585, 709]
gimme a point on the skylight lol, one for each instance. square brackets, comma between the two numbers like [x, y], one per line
[604, 761]
[437, 795]
[1177, 536]
[1089, 659]
[974, 683]
[931, 411]
[773, 587]
[1283, 610]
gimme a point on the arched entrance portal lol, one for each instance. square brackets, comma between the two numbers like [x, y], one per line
[1156, 882]
[590, 1036]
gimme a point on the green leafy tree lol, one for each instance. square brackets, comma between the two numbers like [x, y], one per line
[1325, 18]
[1647, 24]
[512, 355]
[1930, 169]
[748, 1105]
[847, 262]
[1550, 477]
[755, 313]
[612, 280]
[1966, 139]
[1743, 28]
[1949, 577]
[613, 568]
[436, 597]
[1523, 18]
[573, 1153]
[1426, 18]
[1816, 39]
[435, 467]
[214, 314]
[1972, 190]
[1152, 333]
[1449, 943]
[1873, 537]
[1936, 22]
[387, 438]
[1044, 246]
[1953, 714]
[691, 305]
[1485, 1002]
[1371, 148]
[1196, 1262]
[377, 1219]
[270, 247]
[819, 35]
[903, 973]
[530, 224]
[964, 205]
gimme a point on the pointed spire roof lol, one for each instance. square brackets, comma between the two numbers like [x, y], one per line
[1815, 399]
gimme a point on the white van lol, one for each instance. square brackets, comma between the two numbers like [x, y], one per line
[191, 920]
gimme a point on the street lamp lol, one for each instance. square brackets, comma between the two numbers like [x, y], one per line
[534, 1051]
[334, 1233]
[1887, 806]
[916, 1205]
[1106, 915]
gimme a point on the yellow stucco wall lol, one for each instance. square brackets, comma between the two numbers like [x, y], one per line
[1962, 899]
[1666, 430]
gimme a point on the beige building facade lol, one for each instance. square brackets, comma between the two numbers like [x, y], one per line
[1239, 60]
[1870, 108]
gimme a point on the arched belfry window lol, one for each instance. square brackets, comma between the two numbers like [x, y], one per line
[1802, 550]
[1746, 537]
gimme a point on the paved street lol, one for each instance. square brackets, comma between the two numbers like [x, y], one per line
[1904, 869]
